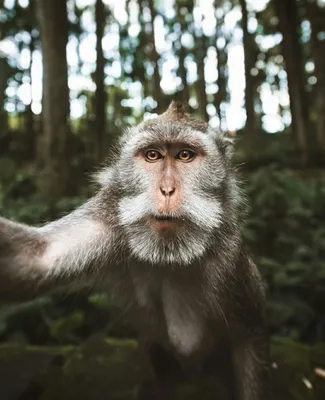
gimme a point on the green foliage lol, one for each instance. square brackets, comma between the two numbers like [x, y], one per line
[63, 328]
[18, 196]
[9, 312]
[286, 231]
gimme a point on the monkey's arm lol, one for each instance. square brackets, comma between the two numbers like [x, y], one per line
[59, 255]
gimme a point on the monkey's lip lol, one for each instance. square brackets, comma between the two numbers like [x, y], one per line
[165, 222]
[165, 218]
[164, 225]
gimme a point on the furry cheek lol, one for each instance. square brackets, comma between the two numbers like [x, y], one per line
[133, 209]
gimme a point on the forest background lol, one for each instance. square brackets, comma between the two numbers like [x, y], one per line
[73, 74]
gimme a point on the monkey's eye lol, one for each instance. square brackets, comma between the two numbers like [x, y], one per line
[185, 155]
[153, 155]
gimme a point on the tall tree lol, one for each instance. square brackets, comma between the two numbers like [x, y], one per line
[201, 52]
[184, 94]
[200, 48]
[154, 58]
[53, 151]
[249, 57]
[316, 17]
[289, 24]
[100, 99]
[222, 60]
[147, 40]
[31, 28]
[4, 74]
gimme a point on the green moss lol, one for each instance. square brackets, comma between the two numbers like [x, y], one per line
[7, 350]
[109, 369]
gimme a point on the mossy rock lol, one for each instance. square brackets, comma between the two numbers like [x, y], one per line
[109, 369]
[100, 369]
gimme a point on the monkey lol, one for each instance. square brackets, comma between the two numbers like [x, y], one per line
[162, 233]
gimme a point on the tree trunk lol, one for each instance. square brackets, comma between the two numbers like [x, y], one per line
[53, 149]
[30, 114]
[201, 52]
[222, 60]
[289, 27]
[220, 96]
[316, 17]
[4, 74]
[100, 100]
[248, 43]
[184, 94]
[154, 58]
[140, 54]
[31, 133]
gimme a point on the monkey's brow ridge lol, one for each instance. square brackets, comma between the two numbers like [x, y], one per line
[160, 139]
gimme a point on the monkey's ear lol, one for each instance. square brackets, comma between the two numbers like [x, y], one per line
[226, 144]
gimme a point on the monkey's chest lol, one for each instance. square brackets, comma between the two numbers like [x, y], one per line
[185, 326]
[171, 315]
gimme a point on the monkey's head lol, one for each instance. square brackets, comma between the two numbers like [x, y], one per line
[175, 187]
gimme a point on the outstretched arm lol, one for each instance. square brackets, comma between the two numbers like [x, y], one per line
[64, 254]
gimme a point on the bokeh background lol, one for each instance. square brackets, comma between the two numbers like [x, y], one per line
[73, 74]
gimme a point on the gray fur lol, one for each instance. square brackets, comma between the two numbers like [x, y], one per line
[188, 291]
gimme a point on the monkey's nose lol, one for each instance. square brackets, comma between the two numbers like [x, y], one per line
[167, 191]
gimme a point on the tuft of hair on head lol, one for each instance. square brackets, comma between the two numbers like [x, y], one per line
[177, 112]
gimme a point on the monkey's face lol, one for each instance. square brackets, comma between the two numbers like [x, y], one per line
[171, 179]
[167, 167]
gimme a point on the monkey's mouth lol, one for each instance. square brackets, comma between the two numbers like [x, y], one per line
[166, 223]
[165, 218]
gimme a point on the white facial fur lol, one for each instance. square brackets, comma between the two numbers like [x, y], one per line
[201, 211]
[148, 245]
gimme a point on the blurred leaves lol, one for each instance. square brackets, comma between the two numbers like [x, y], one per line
[63, 328]
[286, 232]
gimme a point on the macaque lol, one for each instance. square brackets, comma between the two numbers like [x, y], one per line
[163, 234]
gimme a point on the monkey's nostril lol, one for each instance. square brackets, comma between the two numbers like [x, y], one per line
[167, 191]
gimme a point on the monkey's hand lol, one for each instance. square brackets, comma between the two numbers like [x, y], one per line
[60, 255]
